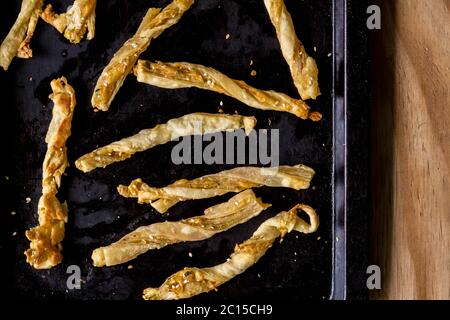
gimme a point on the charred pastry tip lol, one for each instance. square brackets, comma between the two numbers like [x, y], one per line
[315, 116]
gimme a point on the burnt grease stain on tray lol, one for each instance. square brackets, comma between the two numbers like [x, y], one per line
[299, 267]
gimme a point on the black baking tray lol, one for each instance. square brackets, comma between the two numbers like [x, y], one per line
[329, 264]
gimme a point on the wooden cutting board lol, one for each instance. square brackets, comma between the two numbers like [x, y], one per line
[411, 150]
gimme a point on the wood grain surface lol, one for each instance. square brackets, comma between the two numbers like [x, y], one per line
[411, 150]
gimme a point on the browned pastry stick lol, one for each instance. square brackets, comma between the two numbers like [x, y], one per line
[185, 75]
[303, 68]
[17, 41]
[234, 180]
[146, 139]
[193, 281]
[216, 219]
[79, 19]
[45, 247]
[151, 27]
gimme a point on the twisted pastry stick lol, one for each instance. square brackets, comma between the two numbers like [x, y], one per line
[195, 123]
[185, 75]
[216, 219]
[17, 41]
[152, 26]
[193, 281]
[303, 68]
[45, 248]
[75, 22]
[234, 180]
[25, 51]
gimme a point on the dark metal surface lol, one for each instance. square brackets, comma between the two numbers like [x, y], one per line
[309, 267]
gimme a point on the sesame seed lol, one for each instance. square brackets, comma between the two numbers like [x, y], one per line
[27, 199]
[190, 254]
[330, 54]
[227, 36]
[13, 213]
[14, 234]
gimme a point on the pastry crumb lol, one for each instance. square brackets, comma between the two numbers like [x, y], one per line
[253, 73]
[130, 267]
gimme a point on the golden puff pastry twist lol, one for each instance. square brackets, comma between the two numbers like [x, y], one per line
[191, 124]
[185, 75]
[17, 42]
[193, 281]
[73, 24]
[234, 180]
[216, 219]
[303, 68]
[45, 247]
[151, 27]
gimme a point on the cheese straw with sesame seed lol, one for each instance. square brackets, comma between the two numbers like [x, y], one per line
[185, 75]
[151, 27]
[303, 68]
[73, 24]
[233, 180]
[45, 248]
[17, 42]
[216, 219]
[191, 124]
[190, 282]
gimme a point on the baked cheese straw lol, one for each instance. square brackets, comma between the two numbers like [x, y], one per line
[234, 180]
[303, 68]
[190, 282]
[185, 75]
[73, 25]
[45, 247]
[151, 27]
[17, 41]
[191, 124]
[25, 51]
[239, 209]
